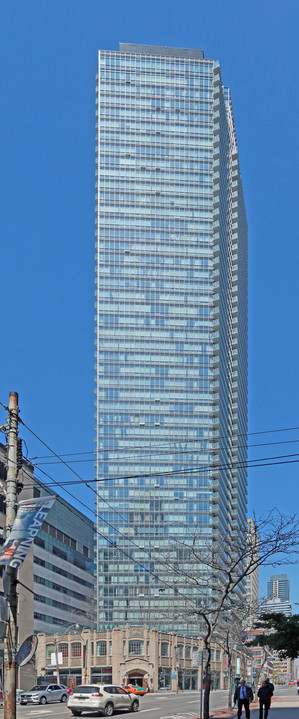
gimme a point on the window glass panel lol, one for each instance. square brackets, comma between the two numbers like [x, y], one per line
[136, 647]
[76, 649]
[50, 648]
[101, 649]
[64, 649]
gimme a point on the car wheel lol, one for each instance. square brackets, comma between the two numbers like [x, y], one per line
[76, 713]
[63, 698]
[134, 706]
[43, 700]
[109, 709]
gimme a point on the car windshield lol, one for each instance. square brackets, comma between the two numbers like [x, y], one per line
[85, 690]
[38, 688]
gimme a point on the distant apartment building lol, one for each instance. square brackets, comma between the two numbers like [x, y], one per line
[277, 605]
[278, 586]
[284, 670]
[252, 580]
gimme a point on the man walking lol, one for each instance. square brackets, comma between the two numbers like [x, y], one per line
[265, 693]
[243, 695]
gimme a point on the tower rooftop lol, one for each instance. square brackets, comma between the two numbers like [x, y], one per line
[160, 50]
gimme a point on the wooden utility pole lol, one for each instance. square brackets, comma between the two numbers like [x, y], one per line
[10, 644]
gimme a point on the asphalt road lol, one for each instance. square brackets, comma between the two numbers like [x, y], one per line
[162, 705]
[167, 705]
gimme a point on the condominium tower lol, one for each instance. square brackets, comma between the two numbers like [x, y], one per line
[278, 586]
[171, 325]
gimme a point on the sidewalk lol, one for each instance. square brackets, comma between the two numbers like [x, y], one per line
[227, 714]
[282, 707]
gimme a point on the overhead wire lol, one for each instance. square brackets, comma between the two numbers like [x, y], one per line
[212, 438]
[122, 551]
[241, 464]
[129, 539]
[87, 483]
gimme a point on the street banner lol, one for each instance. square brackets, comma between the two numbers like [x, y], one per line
[30, 516]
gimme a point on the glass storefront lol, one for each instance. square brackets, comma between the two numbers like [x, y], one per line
[164, 678]
[101, 675]
[188, 679]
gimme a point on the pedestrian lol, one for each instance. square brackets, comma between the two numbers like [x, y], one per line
[243, 695]
[265, 693]
[270, 685]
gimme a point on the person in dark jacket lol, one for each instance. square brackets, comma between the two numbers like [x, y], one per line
[243, 695]
[265, 693]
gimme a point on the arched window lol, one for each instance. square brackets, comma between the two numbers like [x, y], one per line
[101, 649]
[50, 648]
[76, 649]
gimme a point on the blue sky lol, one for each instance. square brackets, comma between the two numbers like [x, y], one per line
[48, 61]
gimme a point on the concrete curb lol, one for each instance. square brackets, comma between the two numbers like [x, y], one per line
[227, 713]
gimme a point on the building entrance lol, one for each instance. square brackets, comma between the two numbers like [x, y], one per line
[136, 678]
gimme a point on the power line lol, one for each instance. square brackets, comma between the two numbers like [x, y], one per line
[81, 480]
[246, 464]
[119, 549]
[211, 439]
[161, 451]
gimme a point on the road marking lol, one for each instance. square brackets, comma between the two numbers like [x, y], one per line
[45, 711]
[152, 709]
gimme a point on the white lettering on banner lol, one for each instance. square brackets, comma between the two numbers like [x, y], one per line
[21, 550]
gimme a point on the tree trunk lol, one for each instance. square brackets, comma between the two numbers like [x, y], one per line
[230, 684]
[206, 698]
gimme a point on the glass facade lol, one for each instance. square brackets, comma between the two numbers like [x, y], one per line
[171, 323]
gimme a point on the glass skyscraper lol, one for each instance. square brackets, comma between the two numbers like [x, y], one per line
[171, 325]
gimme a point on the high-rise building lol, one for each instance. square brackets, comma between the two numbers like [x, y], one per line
[171, 325]
[278, 586]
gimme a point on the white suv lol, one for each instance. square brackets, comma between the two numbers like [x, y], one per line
[100, 698]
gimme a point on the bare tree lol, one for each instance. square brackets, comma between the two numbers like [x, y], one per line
[231, 637]
[212, 575]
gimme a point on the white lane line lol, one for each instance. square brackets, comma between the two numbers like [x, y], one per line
[194, 701]
[152, 709]
[44, 711]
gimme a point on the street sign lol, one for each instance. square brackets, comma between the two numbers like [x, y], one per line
[196, 659]
[173, 675]
[205, 653]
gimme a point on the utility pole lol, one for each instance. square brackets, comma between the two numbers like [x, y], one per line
[10, 643]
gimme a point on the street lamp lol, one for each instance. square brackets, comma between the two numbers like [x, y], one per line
[56, 640]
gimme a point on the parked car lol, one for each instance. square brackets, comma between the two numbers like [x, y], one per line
[101, 698]
[135, 689]
[44, 693]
